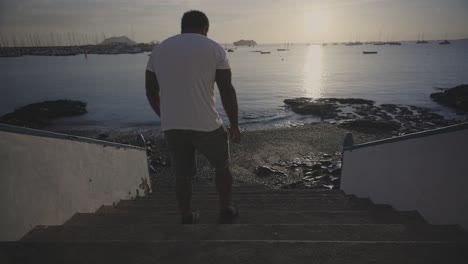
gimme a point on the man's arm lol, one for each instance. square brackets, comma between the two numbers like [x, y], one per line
[152, 92]
[229, 100]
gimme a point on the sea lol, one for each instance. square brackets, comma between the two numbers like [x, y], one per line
[113, 85]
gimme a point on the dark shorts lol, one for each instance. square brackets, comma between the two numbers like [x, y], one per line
[183, 143]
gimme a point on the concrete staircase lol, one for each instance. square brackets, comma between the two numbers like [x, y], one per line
[275, 226]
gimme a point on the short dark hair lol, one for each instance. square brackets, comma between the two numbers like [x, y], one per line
[194, 19]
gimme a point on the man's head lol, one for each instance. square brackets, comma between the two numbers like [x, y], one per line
[195, 22]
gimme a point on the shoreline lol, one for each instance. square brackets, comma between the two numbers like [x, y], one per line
[287, 157]
[306, 156]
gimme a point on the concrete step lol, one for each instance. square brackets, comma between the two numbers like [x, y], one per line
[226, 252]
[277, 200]
[324, 232]
[246, 195]
[259, 207]
[253, 217]
[326, 205]
[213, 187]
[254, 191]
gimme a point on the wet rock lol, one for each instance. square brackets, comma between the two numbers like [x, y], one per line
[39, 115]
[366, 125]
[350, 101]
[456, 97]
[325, 111]
[297, 101]
[326, 162]
[391, 108]
[265, 171]
[316, 167]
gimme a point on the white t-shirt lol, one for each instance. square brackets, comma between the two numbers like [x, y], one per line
[185, 66]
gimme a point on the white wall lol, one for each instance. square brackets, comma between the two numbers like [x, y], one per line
[46, 180]
[428, 174]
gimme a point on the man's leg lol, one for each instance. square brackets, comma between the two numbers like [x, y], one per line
[224, 185]
[214, 146]
[183, 167]
[184, 194]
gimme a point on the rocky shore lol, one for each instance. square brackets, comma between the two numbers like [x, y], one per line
[456, 98]
[308, 156]
[366, 116]
[39, 115]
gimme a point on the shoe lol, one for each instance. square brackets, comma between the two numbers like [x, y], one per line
[228, 215]
[194, 218]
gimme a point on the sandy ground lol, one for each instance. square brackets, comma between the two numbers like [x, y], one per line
[270, 147]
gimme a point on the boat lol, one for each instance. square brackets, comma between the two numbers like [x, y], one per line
[445, 42]
[369, 52]
[421, 41]
[265, 52]
[286, 47]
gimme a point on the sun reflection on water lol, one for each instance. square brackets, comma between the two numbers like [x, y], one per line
[312, 72]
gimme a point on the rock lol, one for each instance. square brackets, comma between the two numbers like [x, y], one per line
[103, 136]
[297, 101]
[265, 171]
[316, 167]
[366, 124]
[350, 101]
[325, 111]
[326, 162]
[326, 156]
[456, 97]
[39, 115]
[313, 173]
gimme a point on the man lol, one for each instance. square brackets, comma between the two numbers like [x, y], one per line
[180, 79]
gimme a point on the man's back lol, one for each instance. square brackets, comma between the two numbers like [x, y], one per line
[185, 66]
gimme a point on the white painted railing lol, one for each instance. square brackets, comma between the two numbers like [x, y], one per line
[46, 177]
[427, 172]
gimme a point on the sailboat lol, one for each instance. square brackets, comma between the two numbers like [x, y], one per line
[445, 42]
[286, 47]
[421, 41]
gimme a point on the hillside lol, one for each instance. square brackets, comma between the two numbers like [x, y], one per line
[118, 40]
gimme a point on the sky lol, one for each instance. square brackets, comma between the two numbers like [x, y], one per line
[265, 21]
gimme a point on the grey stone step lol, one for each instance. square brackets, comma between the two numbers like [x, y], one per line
[259, 207]
[278, 200]
[326, 205]
[226, 252]
[255, 191]
[324, 232]
[246, 196]
[254, 217]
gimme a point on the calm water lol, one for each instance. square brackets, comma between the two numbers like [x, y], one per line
[113, 85]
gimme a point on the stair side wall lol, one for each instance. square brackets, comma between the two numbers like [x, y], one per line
[424, 173]
[45, 180]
